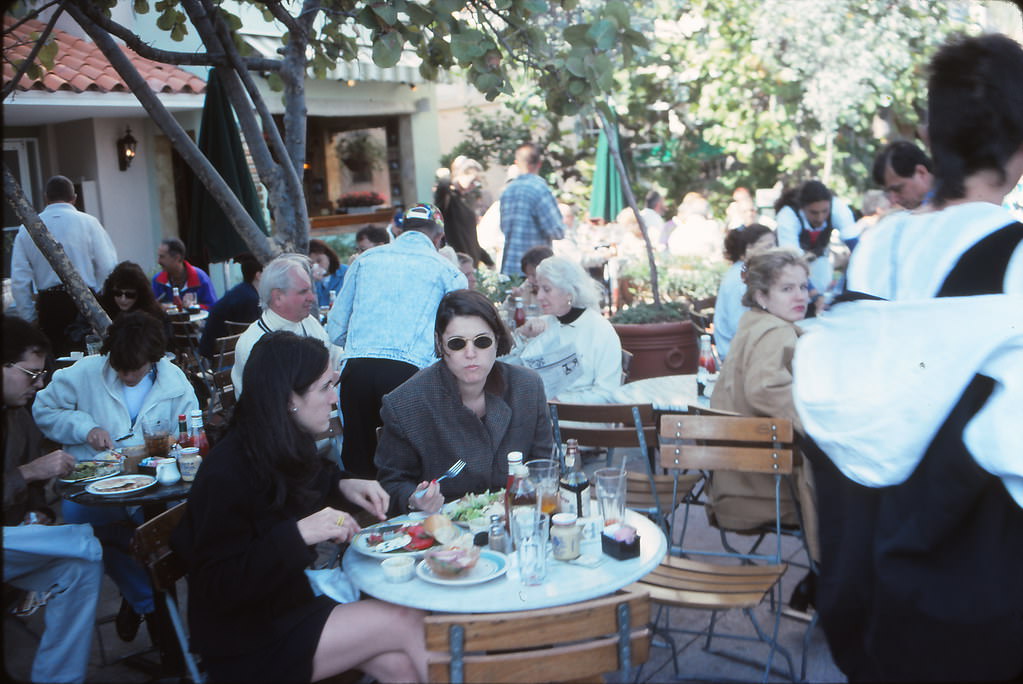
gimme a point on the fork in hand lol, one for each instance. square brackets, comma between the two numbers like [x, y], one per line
[455, 468]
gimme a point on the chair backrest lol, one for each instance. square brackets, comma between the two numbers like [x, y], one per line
[224, 352]
[236, 327]
[151, 546]
[225, 389]
[549, 645]
[610, 425]
[626, 365]
[751, 445]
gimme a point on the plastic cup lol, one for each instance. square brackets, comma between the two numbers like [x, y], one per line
[611, 494]
[156, 432]
[133, 455]
[544, 474]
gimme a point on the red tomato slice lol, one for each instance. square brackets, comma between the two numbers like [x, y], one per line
[420, 538]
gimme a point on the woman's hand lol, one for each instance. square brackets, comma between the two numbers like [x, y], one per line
[368, 494]
[532, 327]
[328, 524]
[99, 439]
[430, 501]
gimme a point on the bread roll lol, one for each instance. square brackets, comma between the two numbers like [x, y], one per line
[441, 528]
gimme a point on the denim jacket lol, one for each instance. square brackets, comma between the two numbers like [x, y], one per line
[388, 302]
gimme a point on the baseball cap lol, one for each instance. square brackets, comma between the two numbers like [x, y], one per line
[424, 212]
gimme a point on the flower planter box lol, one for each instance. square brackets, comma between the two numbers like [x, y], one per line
[660, 348]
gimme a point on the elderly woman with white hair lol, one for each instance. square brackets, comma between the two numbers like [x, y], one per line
[574, 349]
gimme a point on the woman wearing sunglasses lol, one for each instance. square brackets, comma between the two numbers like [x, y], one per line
[466, 406]
[127, 289]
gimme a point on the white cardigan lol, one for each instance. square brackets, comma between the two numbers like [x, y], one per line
[89, 394]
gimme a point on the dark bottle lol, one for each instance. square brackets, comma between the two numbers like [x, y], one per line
[574, 485]
[520, 313]
[183, 438]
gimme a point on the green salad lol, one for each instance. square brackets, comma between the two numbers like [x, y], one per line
[472, 506]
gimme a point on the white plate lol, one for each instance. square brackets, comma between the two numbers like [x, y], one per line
[105, 487]
[490, 565]
[385, 549]
[106, 468]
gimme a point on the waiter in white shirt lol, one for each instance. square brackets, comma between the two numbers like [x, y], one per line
[87, 246]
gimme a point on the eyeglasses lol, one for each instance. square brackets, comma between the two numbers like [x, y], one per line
[129, 294]
[41, 374]
[481, 341]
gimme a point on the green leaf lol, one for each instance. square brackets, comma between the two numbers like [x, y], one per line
[141, 6]
[274, 80]
[233, 22]
[535, 6]
[576, 63]
[576, 87]
[603, 34]
[419, 15]
[578, 34]
[502, 4]
[569, 5]
[387, 13]
[387, 49]
[34, 72]
[48, 53]
[165, 21]
[468, 45]
[634, 37]
[618, 11]
[486, 81]
[428, 71]
[179, 32]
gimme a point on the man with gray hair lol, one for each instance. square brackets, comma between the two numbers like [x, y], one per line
[288, 300]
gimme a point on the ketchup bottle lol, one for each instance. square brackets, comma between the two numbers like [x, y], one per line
[197, 433]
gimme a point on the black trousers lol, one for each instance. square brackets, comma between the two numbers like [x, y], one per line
[364, 382]
[57, 311]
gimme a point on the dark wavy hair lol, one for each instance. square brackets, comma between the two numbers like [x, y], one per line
[321, 247]
[132, 340]
[975, 104]
[738, 240]
[20, 336]
[282, 455]
[128, 275]
[472, 303]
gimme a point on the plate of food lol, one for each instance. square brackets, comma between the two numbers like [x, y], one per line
[120, 484]
[490, 565]
[475, 506]
[97, 469]
[404, 536]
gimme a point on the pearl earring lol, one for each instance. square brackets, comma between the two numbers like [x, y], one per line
[294, 409]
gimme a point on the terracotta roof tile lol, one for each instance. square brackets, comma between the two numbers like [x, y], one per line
[81, 66]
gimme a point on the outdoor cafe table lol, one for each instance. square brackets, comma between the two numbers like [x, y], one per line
[665, 393]
[565, 583]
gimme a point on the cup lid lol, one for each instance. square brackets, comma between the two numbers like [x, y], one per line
[564, 518]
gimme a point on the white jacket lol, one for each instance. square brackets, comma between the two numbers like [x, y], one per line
[89, 394]
[580, 362]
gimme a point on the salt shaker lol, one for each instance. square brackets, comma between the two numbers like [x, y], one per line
[498, 538]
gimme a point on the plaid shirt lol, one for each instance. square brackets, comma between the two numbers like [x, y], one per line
[529, 217]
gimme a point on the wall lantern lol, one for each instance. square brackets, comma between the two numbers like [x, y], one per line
[126, 149]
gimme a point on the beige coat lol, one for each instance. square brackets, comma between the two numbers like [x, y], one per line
[756, 380]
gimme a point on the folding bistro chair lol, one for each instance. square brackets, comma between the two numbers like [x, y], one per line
[611, 426]
[151, 546]
[184, 343]
[580, 641]
[735, 580]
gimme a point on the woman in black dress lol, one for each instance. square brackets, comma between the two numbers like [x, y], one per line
[260, 502]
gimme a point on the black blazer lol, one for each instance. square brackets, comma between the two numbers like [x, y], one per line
[427, 428]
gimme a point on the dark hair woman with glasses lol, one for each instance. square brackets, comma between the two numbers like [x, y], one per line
[127, 289]
[466, 406]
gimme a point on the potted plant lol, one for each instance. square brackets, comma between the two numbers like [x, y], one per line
[663, 338]
[359, 202]
[360, 152]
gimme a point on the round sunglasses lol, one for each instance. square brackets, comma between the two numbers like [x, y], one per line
[481, 341]
[129, 294]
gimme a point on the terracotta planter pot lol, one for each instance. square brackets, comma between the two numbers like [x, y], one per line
[660, 348]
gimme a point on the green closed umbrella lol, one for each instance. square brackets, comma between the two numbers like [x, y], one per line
[211, 237]
[607, 199]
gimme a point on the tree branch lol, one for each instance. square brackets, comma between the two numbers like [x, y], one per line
[169, 56]
[13, 83]
[55, 255]
[263, 249]
[30, 16]
[281, 15]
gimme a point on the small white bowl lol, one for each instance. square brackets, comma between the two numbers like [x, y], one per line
[399, 568]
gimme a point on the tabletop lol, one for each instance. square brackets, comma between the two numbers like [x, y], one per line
[666, 393]
[156, 494]
[567, 582]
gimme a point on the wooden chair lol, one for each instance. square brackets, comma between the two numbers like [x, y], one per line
[736, 581]
[671, 492]
[151, 547]
[184, 343]
[580, 641]
[236, 327]
[223, 356]
[622, 426]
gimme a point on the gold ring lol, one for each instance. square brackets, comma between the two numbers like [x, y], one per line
[340, 520]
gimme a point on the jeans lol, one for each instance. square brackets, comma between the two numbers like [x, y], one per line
[65, 561]
[114, 527]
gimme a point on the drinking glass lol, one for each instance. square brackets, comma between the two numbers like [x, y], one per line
[544, 474]
[531, 549]
[189, 300]
[611, 494]
[93, 343]
[157, 434]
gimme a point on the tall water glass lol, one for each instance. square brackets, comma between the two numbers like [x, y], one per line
[531, 550]
[544, 474]
[611, 494]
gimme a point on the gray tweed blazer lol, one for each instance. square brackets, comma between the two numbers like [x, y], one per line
[427, 428]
